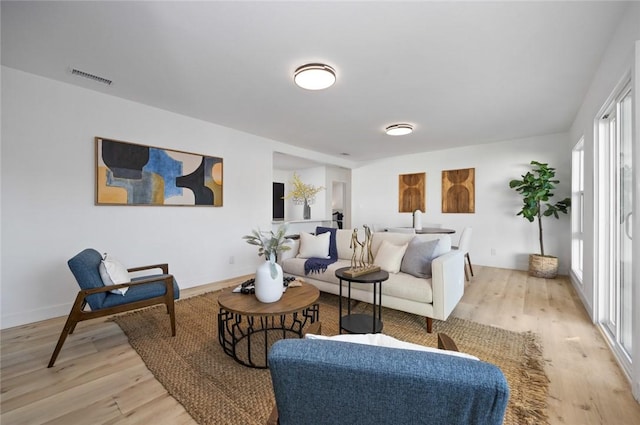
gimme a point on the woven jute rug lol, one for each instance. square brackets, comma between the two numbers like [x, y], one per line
[215, 389]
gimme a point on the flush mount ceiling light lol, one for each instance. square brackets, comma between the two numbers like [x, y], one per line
[399, 129]
[314, 76]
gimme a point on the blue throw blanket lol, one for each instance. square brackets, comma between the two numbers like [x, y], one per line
[319, 265]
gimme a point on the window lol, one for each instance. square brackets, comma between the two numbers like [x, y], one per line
[614, 214]
[577, 210]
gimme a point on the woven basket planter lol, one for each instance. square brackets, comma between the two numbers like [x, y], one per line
[544, 266]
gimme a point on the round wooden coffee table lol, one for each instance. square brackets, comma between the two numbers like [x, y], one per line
[247, 327]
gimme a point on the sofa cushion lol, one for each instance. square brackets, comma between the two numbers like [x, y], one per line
[405, 286]
[443, 246]
[343, 243]
[399, 285]
[418, 257]
[393, 238]
[295, 266]
[312, 246]
[389, 256]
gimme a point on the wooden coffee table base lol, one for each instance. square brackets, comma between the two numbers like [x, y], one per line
[248, 328]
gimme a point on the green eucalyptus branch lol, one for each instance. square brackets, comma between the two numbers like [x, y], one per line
[269, 245]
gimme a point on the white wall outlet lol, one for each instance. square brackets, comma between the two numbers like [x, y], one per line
[232, 260]
[493, 251]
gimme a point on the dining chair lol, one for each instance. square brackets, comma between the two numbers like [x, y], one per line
[463, 245]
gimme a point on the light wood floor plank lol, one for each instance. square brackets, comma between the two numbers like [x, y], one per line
[99, 378]
[100, 412]
[25, 389]
[586, 384]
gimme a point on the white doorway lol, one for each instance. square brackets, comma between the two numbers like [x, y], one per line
[338, 203]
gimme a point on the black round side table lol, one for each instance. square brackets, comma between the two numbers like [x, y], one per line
[362, 323]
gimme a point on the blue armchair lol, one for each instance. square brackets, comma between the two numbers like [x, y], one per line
[329, 382]
[142, 292]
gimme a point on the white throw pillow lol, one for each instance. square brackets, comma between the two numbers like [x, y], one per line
[113, 272]
[314, 246]
[383, 340]
[389, 256]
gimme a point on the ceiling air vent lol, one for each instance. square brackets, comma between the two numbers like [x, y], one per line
[96, 78]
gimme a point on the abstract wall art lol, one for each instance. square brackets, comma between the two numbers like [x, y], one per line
[459, 191]
[411, 192]
[132, 174]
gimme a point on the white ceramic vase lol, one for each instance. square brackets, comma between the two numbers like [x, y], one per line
[268, 289]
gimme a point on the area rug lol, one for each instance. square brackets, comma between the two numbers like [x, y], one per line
[215, 389]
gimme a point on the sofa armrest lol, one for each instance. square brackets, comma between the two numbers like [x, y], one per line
[447, 282]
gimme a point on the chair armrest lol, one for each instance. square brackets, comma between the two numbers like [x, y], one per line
[447, 283]
[167, 278]
[446, 343]
[164, 267]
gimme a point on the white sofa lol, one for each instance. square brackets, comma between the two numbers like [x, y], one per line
[433, 298]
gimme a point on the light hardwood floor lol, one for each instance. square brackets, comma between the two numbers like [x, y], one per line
[99, 378]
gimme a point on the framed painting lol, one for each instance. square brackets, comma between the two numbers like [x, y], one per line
[411, 192]
[459, 191]
[132, 174]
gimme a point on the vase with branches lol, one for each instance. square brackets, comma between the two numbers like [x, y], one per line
[269, 244]
[268, 281]
[303, 194]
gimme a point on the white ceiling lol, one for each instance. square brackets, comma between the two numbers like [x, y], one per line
[461, 72]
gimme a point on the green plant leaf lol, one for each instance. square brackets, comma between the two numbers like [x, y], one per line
[537, 187]
[268, 244]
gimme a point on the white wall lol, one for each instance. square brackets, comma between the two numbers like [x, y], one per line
[495, 225]
[48, 180]
[621, 59]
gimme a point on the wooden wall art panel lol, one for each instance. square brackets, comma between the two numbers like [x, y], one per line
[459, 191]
[411, 194]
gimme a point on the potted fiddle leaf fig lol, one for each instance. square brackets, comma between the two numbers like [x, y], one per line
[536, 188]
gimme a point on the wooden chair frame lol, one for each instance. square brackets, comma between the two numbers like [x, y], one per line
[466, 273]
[78, 314]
